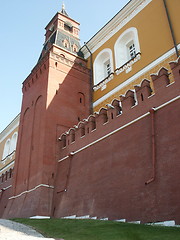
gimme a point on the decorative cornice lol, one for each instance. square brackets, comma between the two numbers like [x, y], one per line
[114, 25]
[69, 62]
[10, 128]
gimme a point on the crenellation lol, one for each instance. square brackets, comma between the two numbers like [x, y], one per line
[127, 101]
[117, 106]
[108, 115]
[143, 91]
[161, 79]
[71, 135]
[80, 130]
[6, 176]
[175, 67]
[113, 111]
[102, 117]
[91, 123]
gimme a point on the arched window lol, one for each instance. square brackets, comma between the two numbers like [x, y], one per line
[81, 98]
[13, 142]
[68, 26]
[6, 151]
[103, 65]
[126, 46]
[66, 43]
[75, 48]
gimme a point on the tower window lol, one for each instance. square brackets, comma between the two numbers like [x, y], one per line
[66, 43]
[81, 98]
[75, 48]
[68, 27]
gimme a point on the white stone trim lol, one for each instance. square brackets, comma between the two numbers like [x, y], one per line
[62, 159]
[165, 104]
[10, 128]
[8, 166]
[40, 217]
[28, 191]
[170, 223]
[70, 217]
[120, 220]
[83, 217]
[137, 75]
[109, 134]
[115, 24]
[98, 65]
[4, 189]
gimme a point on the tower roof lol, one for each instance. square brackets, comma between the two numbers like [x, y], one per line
[63, 11]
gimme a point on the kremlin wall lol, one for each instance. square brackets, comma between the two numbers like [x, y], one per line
[98, 132]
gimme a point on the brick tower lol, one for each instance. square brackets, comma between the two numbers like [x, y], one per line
[55, 97]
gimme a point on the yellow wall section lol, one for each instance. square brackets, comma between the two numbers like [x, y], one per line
[174, 8]
[10, 159]
[154, 37]
[137, 81]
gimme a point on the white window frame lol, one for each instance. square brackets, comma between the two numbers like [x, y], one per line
[121, 50]
[7, 147]
[100, 67]
[13, 142]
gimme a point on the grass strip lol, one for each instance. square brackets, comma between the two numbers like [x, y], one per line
[70, 229]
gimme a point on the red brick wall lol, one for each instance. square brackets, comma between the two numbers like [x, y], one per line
[5, 190]
[50, 106]
[132, 173]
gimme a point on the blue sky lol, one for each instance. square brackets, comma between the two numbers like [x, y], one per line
[22, 38]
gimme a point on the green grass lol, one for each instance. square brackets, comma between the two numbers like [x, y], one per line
[100, 230]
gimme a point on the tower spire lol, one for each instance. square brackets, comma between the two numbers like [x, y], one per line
[63, 11]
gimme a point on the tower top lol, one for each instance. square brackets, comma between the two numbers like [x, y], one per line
[63, 11]
[62, 32]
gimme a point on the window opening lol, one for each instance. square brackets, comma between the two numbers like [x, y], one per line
[107, 68]
[142, 97]
[82, 131]
[68, 27]
[66, 43]
[131, 50]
